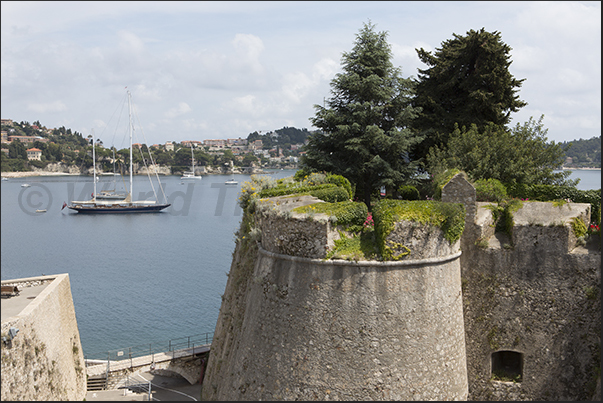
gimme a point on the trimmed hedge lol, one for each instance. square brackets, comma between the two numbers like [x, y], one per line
[331, 195]
[347, 213]
[408, 192]
[287, 190]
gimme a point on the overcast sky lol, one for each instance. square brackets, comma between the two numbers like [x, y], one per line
[206, 70]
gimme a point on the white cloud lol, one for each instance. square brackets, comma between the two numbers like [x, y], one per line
[55, 106]
[248, 50]
[179, 110]
[244, 67]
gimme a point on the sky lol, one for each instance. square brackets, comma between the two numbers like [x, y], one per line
[218, 70]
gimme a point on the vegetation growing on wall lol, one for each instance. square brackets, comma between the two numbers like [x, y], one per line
[347, 214]
[503, 215]
[449, 217]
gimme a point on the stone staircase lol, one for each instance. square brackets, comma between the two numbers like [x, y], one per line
[102, 382]
[97, 382]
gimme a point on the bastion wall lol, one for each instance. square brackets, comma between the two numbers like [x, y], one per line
[45, 359]
[293, 325]
[301, 327]
[536, 294]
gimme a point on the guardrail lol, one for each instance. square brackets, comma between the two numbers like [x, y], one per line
[151, 349]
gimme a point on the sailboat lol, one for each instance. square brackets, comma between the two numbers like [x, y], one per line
[231, 181]
[191, 174]
[111, 193]
[126, 205]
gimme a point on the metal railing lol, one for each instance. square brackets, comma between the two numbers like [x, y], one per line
[138, 384]
[151, 349]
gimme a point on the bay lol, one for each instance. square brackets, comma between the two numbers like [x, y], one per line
[589, 178]
[135, 278]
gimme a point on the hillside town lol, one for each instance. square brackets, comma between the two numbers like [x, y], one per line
[27, 147]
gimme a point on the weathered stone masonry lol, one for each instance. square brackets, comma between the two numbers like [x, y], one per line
[293, 326]
[45, 361]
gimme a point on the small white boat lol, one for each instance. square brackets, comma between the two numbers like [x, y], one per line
[25, 185]
[4, 179]
[41, 211]
[231, 181]
[191, 174]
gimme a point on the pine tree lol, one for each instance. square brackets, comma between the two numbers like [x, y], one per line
[364, 127]
[467, 82]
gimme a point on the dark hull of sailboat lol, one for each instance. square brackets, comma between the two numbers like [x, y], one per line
[156, 208]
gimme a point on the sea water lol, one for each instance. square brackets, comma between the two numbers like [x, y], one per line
[135, 278]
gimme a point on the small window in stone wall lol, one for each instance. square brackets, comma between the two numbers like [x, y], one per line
[507, 366]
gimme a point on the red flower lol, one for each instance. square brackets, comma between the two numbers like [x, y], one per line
[369, 221]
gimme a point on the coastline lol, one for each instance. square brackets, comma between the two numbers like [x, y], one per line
[34, 173]
[25, 174]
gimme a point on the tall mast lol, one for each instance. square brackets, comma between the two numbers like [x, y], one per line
[93, 164]
[130, 128]
[114, 180]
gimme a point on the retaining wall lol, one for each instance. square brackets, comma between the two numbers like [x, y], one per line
[45, 360]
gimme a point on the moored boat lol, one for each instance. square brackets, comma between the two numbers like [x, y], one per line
[125, 205]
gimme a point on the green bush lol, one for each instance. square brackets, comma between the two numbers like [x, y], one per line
[341, 181]
[489, 190]
[408, 192]
[293, 189]
[331, 195]
[347, 213]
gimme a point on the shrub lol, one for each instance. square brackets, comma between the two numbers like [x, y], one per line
[287, 190]
[331, 195]
[580, 229]
[315, 178]
[251, 189]
[408, 192]
[490, 190]
[341, 181]
[346, 213]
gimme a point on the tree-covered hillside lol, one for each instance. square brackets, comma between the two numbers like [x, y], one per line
[281, 137]
[584, 153]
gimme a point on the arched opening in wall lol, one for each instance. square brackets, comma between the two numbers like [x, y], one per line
[507, 366]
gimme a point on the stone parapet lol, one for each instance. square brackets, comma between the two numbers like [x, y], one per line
[546, 227]
[411, 240]
[285, 232]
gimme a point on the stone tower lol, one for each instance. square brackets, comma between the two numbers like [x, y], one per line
[295, 326]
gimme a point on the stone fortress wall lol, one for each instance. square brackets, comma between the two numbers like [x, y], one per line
[531, 299]
[44, 360]
[315, 329]
[295, 326]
